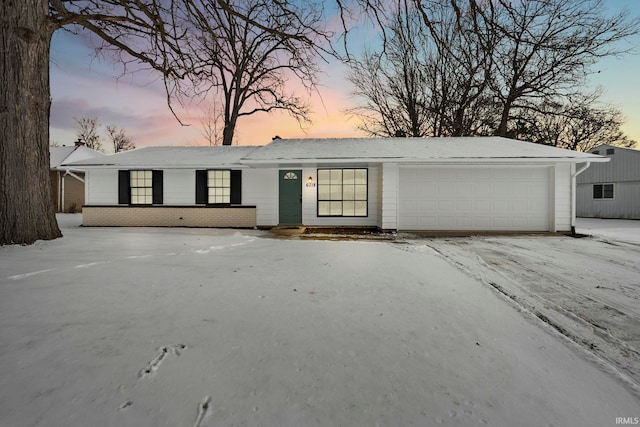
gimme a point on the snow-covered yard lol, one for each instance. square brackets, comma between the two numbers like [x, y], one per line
[201, 327]
[611, 229]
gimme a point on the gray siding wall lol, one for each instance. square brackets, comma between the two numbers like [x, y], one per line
[625, 204]
[624, 165]
[622, 170]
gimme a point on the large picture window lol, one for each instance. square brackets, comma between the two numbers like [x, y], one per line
[342, 192]
[603, 191]
[219, 186]
[141, 183]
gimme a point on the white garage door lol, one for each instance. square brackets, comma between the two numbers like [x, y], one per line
[473, 198]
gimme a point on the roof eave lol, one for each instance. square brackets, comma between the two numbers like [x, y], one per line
[157, 166]
[405, 160]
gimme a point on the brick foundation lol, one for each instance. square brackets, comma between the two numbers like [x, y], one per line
[169, 216]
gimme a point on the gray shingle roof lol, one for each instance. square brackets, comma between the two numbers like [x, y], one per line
[289, 151]
[176, 157]
[63, 155]
[410, 149]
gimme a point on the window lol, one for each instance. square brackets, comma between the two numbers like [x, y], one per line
[611, 151]
[596, 152]
[603, 191]
[141, 187]
[342, 192]
[219, 186]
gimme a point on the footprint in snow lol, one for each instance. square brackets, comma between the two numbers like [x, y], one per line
[125, 405]
[163, 352]
[203, 411]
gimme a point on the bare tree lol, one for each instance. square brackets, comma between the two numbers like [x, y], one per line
[138, 28]
[385, 110]
[461, 66]
[211, 124]
[246, 56]
[87, 132]
[393, 83]
[547, 48]
[119, 139]
[430, 77]
[26, 208]
[581, 124]
[485, 63]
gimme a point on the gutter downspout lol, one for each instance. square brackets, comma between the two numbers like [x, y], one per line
[61, 193]
[573, 195]
[59, 189]
[68, 172]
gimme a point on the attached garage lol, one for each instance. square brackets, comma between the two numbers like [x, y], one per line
[474, 198]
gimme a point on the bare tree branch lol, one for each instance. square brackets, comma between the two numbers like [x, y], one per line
[482, 63]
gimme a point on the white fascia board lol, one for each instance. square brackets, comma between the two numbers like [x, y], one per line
[500, 161]
[165, 166]
[404, 160]
[310, 163]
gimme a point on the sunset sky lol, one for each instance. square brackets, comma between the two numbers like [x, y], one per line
[83, 86]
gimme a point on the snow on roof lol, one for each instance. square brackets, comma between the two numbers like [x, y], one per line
[173, 157]
[462, 149]
[411, 149]
[58, 154]
[64, 155]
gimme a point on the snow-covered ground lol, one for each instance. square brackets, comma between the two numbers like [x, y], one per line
[615, 229]
[200, 327]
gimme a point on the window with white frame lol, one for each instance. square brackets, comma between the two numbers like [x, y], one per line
[603, 191]
[141, 184]
[342, 192]
[219, 186]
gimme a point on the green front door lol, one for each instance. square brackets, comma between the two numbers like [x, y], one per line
[290, 197]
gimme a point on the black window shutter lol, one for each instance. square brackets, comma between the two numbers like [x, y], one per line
[201, 187]
[157, 191]
[124, 188]
[236, 187]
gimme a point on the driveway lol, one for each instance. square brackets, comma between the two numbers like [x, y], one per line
[587, 289]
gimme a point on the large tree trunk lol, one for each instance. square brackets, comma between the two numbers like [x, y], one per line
[26, 209]
[229, 129]
[227, 134]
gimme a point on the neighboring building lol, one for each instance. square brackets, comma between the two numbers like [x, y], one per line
[67, 184]
[435, 184]
[612, 189]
